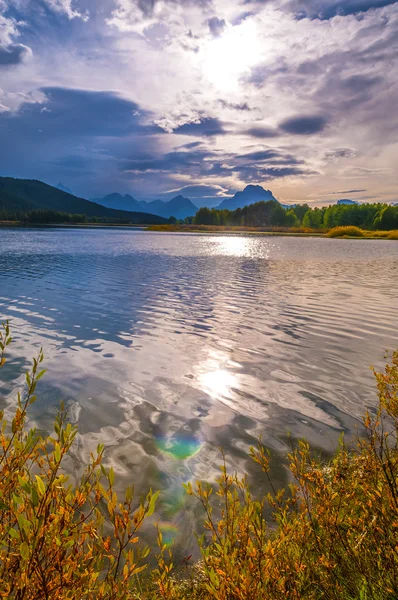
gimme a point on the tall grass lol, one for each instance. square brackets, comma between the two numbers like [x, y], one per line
[333, 534]
[349, 231]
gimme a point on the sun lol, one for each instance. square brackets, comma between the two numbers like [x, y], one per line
[225, 59]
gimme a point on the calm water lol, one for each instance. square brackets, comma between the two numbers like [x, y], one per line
[166, 346]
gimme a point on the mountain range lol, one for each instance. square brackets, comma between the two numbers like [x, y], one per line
[178, 207]
[181, 207]
[29, 194]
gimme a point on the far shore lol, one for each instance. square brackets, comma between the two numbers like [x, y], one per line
[215, 229]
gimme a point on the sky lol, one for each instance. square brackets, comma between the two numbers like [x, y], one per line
[202, 97]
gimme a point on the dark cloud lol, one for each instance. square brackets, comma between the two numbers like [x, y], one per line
[260, 74]
[147, 6]
[75, 112]
[270, 156]
[191, 145]
[14, 54]
[253, 166]
[348, 192]
[304, 124]
[242, 106]
[216, 26]
[207, 127]
[265, 173]
[327, 9]
[261, 132]
[72, 131]
[357, 84]
[339, 153]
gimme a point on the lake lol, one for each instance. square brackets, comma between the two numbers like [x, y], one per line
[167, 346]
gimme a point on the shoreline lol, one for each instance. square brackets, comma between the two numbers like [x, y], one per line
[206, 230]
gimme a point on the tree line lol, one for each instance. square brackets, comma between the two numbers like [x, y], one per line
[273, 214]
[54, 216]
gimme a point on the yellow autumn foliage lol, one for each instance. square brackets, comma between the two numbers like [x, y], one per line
[333, 533]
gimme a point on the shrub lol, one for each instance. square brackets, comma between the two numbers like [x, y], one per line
[393, 235]
[52, 540]
[335, 530]
[333, 533]
[348, 231]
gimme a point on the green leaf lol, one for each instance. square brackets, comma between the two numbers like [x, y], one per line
[129, 493]
[152, 503]
[35, 497]
[57, 453]
[13, 533]
[24, 550]
[24, 523]
[111, 476]
[40, 375]
[40, 485]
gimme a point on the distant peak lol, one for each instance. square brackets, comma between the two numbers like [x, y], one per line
[254, 188]
[63, 188]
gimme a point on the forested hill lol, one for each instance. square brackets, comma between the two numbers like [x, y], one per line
[24, 195]
[271, 213]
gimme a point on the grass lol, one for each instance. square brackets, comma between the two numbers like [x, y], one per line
[235, 229]
[333, 533]
[350, 232]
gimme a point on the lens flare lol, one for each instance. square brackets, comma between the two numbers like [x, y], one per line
[169, 532]
[180, 448]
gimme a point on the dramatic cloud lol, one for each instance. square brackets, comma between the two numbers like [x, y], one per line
[204, 96]
[11, 53]
[304, 125]
[14, 54]
[262, 132]
[205, 127]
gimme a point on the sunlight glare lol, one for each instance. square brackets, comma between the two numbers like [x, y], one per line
[217, 383]
[226, 58]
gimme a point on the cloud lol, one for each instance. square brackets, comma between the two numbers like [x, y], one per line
[79, 112]
[207, 126]
[261, 132]
[304, 124]
[290, 89]
[11, 53]
[338, 153]
[348, 192]
[79, 134]
[216, 26]
[14, 54]
[241, 106]
[353, 171]
[328, 9]
[66, 7]
[257, 166]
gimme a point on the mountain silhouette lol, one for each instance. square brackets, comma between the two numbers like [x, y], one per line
[29, 194]
[179, 207]
[250, 195]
